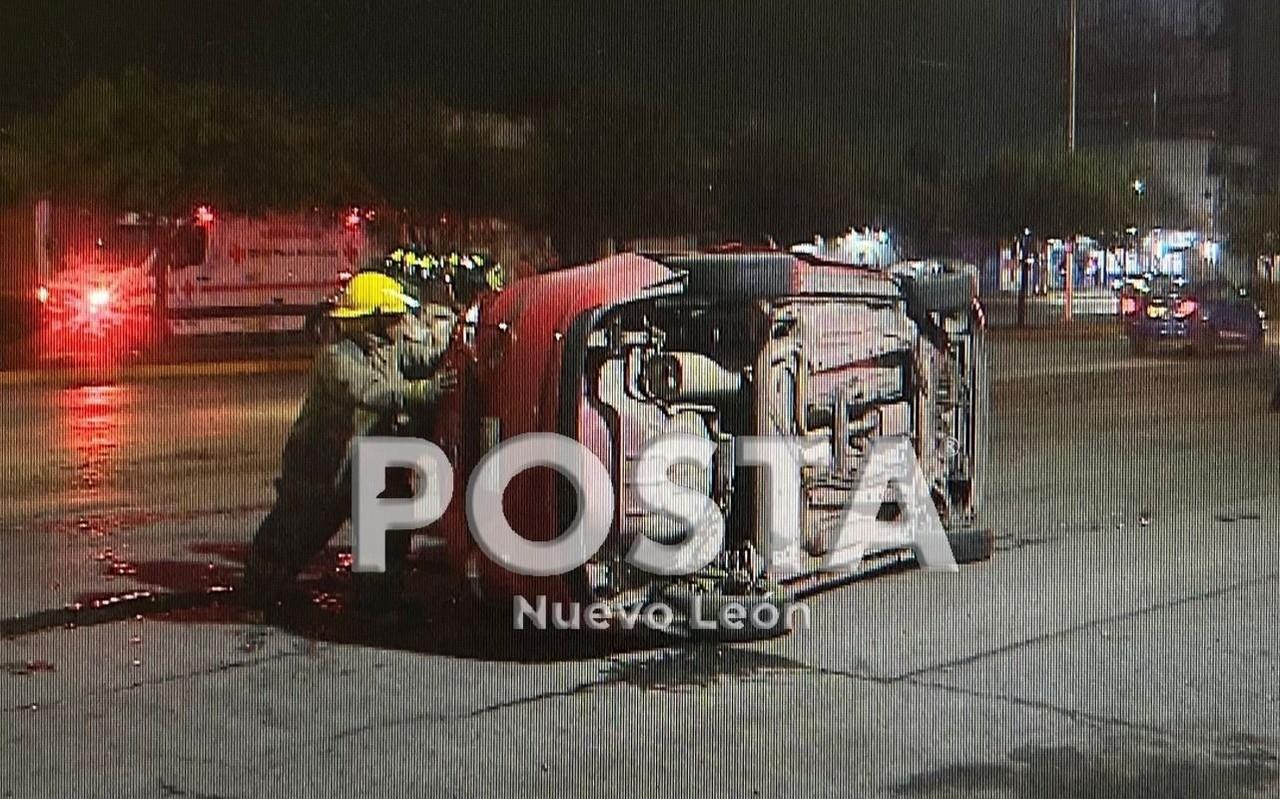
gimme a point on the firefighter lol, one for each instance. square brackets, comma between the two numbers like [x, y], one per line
[381, 367]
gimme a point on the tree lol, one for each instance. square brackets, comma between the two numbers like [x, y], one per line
[791, 183]
[105, 142]
[1255, 227]
[616, 166]
[149, 145]
[397, 142]
[1054, 193]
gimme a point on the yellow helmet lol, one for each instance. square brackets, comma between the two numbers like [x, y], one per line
[370, 293]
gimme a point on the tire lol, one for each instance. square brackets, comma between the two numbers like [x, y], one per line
[751, 275]
[943, 294]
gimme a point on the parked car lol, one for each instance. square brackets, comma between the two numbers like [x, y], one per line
[1201, 316]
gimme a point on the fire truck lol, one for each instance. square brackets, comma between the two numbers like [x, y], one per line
[113, 284]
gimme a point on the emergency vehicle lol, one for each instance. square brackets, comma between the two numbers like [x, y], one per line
[119, 283]
[244, 275]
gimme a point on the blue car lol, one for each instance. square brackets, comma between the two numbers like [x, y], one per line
[1202, 317]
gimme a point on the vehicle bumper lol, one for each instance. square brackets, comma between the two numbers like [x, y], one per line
[1171, 330]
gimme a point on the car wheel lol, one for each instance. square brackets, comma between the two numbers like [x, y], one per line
[944, 294]
[748, 275]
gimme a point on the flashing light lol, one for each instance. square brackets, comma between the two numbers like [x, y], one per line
[353, 218]
[1128, 306]
[204, 215]
[98, 299]
[344, 276]
[42, 295]
[1186, 308]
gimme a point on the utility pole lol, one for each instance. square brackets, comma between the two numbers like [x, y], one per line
[1024, 249]
[1073, 50]
[1073, 53]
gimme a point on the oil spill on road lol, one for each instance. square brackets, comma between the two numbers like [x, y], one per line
[22, 668]
[1062, 772]
[175, 590]
[698, 667]
[433, 615]
[105, 609]
[1231, 518]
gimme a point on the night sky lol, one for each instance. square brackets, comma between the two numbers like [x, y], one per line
[972, 72]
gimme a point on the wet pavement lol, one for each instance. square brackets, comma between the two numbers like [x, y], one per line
[1123, 641]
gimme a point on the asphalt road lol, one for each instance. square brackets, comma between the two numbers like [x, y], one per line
[1123, 642]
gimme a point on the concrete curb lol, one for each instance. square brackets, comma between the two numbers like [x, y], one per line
[151, 371]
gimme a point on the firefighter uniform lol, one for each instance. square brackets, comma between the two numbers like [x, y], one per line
[359, 386]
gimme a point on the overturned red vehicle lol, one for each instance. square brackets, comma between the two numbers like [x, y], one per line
[719, 345]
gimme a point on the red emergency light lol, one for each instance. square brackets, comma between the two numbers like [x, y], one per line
[204, 215]
[353, 218]
[99, 299]
[1186, 308]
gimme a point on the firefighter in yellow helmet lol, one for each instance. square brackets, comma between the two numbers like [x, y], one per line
[381, 366]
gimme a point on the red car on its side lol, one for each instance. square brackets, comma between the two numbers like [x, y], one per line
[719, 345]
